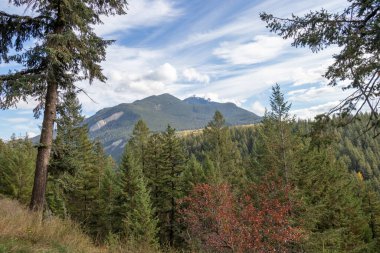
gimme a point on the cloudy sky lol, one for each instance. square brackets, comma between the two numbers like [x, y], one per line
[214, 49]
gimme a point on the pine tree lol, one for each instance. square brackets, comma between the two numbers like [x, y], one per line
[169, 186]
[333, 216]
[193, 174]
[140, 225]
[106, 204]
[83, 191]
[371, 208]
[71, 135]
[154, 168]
[278, 145]
[138, 142]
[55, 196]
[135, 151]
[122, 189]
[222, 151]
[79, 173]
[71, 152]
[67, 50]
[213, 176]
[17, 158]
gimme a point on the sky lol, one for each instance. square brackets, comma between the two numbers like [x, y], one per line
[217, 49]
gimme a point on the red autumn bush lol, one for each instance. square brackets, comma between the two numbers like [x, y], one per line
[219, 221]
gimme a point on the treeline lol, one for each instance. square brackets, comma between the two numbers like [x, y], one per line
[279, 186]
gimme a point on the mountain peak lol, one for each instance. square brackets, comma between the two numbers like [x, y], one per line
[113, 126]
[165, 97]
[197, 100]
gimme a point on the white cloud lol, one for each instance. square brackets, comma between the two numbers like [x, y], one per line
[248, 22]
[243, 83]
[214, 97]
[302, 75]
[17, 120]
[311, 112]
[153, 82]
[313, 93]
[192, 75]
[140, 13]
[133, 73]
[164, 73]
[321, 93]
[258, 108]
[261, 49]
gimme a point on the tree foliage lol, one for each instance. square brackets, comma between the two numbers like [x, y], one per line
[53, 49]
[219, 221]
[17, 158]
[356, 31]
[170, 191]
[140, 224]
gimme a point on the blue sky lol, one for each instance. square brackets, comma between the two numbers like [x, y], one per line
[214, 49]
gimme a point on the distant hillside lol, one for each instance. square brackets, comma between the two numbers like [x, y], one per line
[113, 126]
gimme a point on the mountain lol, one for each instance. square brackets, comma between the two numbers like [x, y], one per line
[113, 126]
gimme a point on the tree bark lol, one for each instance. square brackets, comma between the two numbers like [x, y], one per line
[44, 149]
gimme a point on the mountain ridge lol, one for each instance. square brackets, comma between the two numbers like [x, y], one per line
[112, 126]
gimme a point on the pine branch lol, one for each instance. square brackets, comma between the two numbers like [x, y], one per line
[319, 21]
[38, 19]
[13, 76]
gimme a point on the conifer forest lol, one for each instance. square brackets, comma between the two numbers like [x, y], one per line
[240, 183]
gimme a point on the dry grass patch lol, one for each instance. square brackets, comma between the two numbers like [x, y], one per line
[22, 231]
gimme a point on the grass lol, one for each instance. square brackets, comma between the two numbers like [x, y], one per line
[22, 231]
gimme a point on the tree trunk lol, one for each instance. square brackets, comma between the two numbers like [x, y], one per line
[44, 149]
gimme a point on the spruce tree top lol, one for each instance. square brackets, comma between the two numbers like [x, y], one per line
[217, 121]
[65, 48]
[280, 108]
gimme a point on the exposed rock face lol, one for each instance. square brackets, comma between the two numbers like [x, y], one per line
[101, 123]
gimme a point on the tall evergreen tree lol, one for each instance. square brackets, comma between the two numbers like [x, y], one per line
[140, 224]
[173, 156]
[71, 134]
[222, 151]
[79, 172]
[371, 208]
[138, 142]
[71, 151]
[103, 215]
[135, 205]
[192, 175]
[67, 50]
[277, 143]
[333, 216]
[17, 158]
[213, 175]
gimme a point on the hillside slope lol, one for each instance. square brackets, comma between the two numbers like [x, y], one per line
[21, 231]
[113, 126]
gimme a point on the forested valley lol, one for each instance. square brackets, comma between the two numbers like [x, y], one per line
[277, 186]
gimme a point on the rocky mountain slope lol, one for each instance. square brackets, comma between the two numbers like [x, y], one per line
[113, 126]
